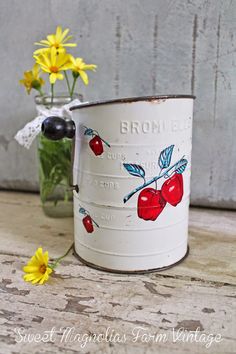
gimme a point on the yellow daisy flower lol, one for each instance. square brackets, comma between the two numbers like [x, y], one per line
[53, 62]
[37, 268]
[57, 41]
[79, 68]
[32, 79]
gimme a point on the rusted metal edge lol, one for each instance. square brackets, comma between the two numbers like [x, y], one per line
[130, 100]
[129, 271]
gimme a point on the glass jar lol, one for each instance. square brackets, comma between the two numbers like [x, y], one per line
[55, 170]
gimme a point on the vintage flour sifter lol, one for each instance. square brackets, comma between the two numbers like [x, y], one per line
[132, 163]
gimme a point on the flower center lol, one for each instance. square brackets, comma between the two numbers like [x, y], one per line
[54, 69]
[42, 269]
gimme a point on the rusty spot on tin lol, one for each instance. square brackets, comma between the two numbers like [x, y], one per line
[117, 271]
[131, 100]
[159, 101]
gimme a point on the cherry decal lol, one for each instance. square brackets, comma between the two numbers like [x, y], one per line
[96, 145]
[150, 204]
[88, 224]
[172, 189]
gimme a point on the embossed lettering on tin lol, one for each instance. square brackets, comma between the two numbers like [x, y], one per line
[154, 127]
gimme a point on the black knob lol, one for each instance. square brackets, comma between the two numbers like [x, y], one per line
[56, 128]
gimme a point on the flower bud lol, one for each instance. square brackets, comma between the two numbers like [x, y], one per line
[36, 84]
[75, 74]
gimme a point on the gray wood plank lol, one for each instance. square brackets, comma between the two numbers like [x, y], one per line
[156, 47]
[198, 295]
[89, 301]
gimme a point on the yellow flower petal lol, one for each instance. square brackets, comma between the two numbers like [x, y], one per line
[39, 255]
[58, 40]
[92, 67]
[84, 77]
[37, 279]
[45, 257]
[34, 262]
[70, 45]
[32, 276]
[67, 66]
[35, 71]
[42, 42]
[52, 78]
[44, 59]
[29, 277]
[41, 51]
[60, 76]
[72, 59]
[62, 58]
[44, 279]
[45, 69]
[78, 61]
[49, 270]
[67, 39]
[37, 270]
[64, 34]
[30, 269]
[51, 39]
[61, 50]
[30, 78]
[58, 34]
[53, 56]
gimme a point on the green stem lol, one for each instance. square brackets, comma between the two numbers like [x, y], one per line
[52, 93]
[54, 265]
[41, 92]
[73, 87]
[68, 83]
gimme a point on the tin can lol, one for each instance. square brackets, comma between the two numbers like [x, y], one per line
[132, 166]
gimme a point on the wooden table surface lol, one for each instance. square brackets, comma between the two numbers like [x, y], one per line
[138, 313]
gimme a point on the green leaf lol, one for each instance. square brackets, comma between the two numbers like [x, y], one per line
[55, 165]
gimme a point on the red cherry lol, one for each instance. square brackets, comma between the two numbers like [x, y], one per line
[96, 145]
[150, 204]
[172, 190]
[88, 223]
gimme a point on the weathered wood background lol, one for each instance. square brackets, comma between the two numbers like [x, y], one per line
[141, 48]
[198, 293]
